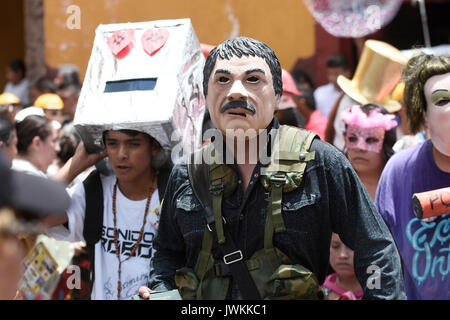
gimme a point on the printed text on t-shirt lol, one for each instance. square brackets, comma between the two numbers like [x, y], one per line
[126, 239]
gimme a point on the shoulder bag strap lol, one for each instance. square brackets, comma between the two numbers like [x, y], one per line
[93, 219]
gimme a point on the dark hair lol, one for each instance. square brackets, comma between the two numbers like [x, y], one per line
[302, 76]
[68, 142]
[29, 128]
[6, 131]
[243, 46]
[308, 96]
[67, 148]
[337, 60]
[70, 75]
[131, 133]
[416, 73]
[70, 88]
[17, 65]
[44, 84]
[390, 136]
[291, 117]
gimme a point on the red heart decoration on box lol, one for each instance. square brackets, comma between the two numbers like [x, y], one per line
[154, 39]
[121, 42]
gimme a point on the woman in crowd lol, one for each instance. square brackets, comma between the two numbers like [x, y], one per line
[369, 138]
[37, 145]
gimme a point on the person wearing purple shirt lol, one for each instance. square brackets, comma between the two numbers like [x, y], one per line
[424, 245]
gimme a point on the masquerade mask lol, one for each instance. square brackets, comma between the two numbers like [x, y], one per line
[370, 139]
[366, 132]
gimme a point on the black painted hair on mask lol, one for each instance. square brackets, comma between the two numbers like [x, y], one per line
[243, 46]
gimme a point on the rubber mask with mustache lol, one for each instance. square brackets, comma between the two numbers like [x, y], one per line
[236, 105]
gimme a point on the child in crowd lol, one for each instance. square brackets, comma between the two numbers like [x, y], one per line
[129, 216]
[369, 136]
[343, 284]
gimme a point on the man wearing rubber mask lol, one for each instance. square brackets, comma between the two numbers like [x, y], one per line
[229, 230]
[421, 168]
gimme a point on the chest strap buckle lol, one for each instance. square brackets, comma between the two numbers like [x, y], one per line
[217, 187]
[278, 180]
[233, 257]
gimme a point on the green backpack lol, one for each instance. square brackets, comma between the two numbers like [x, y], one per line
[272, 273]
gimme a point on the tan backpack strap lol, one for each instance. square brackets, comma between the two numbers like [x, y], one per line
[217, 194]
[277, 181]
[203, 259]
[286, 169]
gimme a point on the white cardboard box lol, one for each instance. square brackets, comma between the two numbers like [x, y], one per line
[174, 108]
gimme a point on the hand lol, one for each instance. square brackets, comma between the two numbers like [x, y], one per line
[81, 160]
[144, 292]
[79, 248]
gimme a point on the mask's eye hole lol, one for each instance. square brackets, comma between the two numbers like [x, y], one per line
[442, 102]
[371, 140]
[223, 80]
[352, 139]
[253, 79]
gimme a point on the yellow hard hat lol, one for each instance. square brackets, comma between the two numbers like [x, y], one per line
[7, 98]
[49, 101]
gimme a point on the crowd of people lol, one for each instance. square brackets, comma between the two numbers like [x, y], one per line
[341, 207]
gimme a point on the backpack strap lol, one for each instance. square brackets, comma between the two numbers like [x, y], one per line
[163, 178]
[283, 174]
[201, 177]
[286, 168]
[93, 220]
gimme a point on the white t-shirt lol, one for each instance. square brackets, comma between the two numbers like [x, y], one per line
[339, 125]
[326, 97]
[26, 166]
[130, 215]
[20, 90]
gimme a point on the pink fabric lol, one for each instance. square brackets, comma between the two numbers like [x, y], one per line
[289, 84]
[354, 116]
[330, 283]
[317, 123]
[369, 139]
[353, 19]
